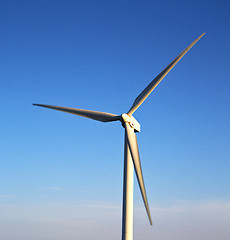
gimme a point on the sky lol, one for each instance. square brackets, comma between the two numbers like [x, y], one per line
[61, 175]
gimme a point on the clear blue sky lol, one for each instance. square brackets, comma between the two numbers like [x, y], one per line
[60, 174]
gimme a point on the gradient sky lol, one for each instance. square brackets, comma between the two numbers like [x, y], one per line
[61, 175]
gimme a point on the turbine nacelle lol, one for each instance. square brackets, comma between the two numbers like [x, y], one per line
[132, 122]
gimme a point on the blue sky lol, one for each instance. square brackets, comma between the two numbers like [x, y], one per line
[62, 174]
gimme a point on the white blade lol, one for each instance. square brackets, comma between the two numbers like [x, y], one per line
[132, 142]
[145, 93]
[99, 116]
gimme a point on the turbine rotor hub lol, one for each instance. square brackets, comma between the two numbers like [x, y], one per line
[132, 122]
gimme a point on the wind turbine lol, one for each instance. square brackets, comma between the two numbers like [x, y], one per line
[131, 152]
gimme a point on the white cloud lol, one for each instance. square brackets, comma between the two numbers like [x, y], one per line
[56, 188]
[6, 196]
[184, 206]
[103, 205]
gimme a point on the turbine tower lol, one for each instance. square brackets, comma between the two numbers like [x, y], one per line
[131, 152]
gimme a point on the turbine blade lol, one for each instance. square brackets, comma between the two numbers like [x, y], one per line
[132, 143]
[99, 116]
[145, 93]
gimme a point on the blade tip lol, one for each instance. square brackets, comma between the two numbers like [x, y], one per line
[150, 220]
[202, 35]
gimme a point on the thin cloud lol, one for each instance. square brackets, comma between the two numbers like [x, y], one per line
[184, 206]
[6, 196]
[56, 188]
[104, 206]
